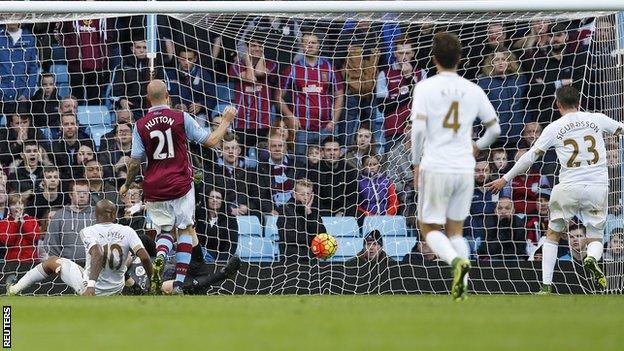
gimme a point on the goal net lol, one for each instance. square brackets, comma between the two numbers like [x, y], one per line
[318, 144]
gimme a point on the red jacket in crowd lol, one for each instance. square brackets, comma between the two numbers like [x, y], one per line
[20, 238]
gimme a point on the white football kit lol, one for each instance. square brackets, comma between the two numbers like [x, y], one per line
[583, 180]
[448, 105]
[117, 241]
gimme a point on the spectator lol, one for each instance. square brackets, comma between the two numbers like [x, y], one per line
[45, 107]
[217, 232]
[337, 182]
[300, 223]
[364, 145]
[495, 40]
[20, 233]
[29, 171]
[192, 86]
[506, 88]
[553, 68]
[98, 188]
[19, 67]
[377, 192]
[482, 206]
[256, 79]
[537, 223]
[243, 192]
[12, 139]
[530, 133]
[578, 246]
[133, 210]
[602, 62]
[499, 163]
[615, 247]
[63, 236]
[4, 198]
[420, 254]
[397, 164]
[279, 171]
[130, 79]
[280, 127]
[44, 222]
[121, 116]
[47, 194]
[394, 89]
[526, 187]
[535, 40]
[314, 92]
[372, 252]
[360, 74]
[505, 236]
[65, 149]
[117, 148]
[86, 44]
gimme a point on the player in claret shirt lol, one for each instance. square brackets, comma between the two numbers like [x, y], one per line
[161, 136]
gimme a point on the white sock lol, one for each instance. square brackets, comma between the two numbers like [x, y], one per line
[460, 244]
[594, 249]
[549, 258]
[36, 274]
[441, 245]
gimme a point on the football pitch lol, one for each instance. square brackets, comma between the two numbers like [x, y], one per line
[408, 322]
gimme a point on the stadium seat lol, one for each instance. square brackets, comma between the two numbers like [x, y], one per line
[387, 225]
[61, 74]
[3, 121]
[348, 247]
[253, 248]
[341, 226]
[94, 115]
[97, 132]
[270, 228]
[398, 247]
[218, 110]
[63, 90]
[249, 225]
[224, 93]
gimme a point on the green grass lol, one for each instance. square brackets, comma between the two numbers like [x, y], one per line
[318, 323]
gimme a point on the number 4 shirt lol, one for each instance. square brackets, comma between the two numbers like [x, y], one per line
[578, 140]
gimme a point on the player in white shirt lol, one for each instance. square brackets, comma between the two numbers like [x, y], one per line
[444, 109]
[107, 245]
[578, 139]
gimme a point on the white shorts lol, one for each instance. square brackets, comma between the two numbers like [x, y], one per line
[444, 195]
[76, 278]
[179, 212]
[588, 202]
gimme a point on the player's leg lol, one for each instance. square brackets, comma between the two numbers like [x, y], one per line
[34, 275]
[432, 204]
[184, 210]
[460, 201]
[594, 216]
[163, 220]
[200, 282]
[560, 207]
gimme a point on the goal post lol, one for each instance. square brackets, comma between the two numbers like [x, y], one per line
[290, 68]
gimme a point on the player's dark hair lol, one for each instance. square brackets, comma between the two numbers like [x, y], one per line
[446, 49]
[568, 97]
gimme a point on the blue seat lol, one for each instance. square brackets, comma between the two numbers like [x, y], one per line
[253, 248]
[341, 226]
[218, 110]
[3, 121]
[97, 132]
[249, 225]
[348, 247]
[61, 74]
[270, 228]
[94, 115]
[387, 225]
[397, 247]
[63, 90]
[224, 93]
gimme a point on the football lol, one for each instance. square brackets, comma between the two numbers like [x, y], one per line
[324, 246]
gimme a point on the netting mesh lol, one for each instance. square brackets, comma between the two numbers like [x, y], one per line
[318, 145]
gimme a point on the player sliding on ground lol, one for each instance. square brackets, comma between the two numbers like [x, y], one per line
[161, 135]
[583, 180]
[107, 247]
[444, 109]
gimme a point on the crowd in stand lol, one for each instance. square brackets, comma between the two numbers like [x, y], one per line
[322, 127]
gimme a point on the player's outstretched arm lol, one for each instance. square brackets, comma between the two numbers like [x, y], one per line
[134, 165]
[97, 258]
[147, 264]
[228, 116]
[522, 165]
